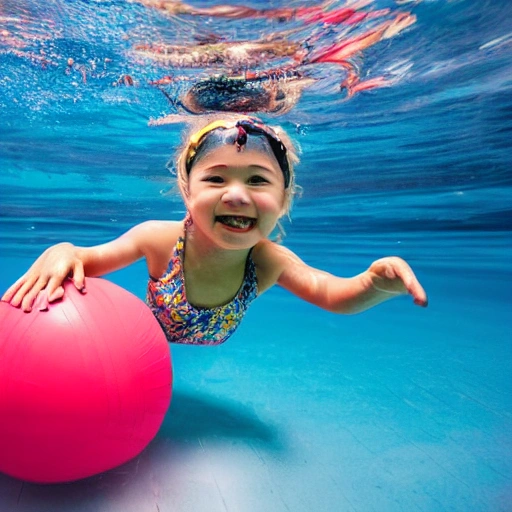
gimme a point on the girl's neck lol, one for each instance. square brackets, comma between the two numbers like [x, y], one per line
[201, 253]
[213, 275]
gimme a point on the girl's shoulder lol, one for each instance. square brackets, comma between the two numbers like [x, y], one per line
[156, 240]
[270, 259]
[157, 232]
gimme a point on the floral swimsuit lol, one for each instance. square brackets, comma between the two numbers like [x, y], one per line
[184, 323]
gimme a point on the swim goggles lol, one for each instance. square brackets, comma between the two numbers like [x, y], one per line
[250, 126]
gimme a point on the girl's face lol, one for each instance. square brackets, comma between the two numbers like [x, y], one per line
[235, 197]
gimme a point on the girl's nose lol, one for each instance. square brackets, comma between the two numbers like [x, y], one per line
[236, 194]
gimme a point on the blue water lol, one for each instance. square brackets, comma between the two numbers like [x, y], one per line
[399, 408]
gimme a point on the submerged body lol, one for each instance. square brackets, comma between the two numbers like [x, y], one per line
[236, 178]
[192, 324]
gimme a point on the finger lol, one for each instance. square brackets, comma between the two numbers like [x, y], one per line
[56, 294]
[54, 288]
[414, 287]
[30, 295]
[421, 302]
[391, 272]
[420, 296]
[79, 276]
[22, 291]
[13, 289]
[41, 301]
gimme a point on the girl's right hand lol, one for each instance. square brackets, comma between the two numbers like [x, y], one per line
[42, 283]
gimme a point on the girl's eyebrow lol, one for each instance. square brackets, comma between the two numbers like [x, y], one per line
[264, 168]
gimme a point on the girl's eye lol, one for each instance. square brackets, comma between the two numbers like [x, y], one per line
[257, 180]
[214, 179]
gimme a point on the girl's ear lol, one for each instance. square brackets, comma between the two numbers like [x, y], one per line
[285, 209]
[186, 201]
[184, 192]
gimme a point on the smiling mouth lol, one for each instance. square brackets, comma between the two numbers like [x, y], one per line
[236, 221]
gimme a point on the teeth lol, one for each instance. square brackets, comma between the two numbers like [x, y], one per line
[235, 222]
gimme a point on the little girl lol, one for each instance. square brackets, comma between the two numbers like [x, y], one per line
[236, 177]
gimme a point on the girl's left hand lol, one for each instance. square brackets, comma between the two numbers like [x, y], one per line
[394, 276]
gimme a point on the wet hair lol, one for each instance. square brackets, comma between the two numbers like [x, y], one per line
[229, 94]
[213, 140]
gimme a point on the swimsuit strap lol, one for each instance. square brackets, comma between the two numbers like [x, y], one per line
[181, 321]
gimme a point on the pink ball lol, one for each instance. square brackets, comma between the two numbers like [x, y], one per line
[84, 386]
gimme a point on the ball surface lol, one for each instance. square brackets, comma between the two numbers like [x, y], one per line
[84, 386]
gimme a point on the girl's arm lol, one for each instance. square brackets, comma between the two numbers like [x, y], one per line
[386, 278]
[65, 260]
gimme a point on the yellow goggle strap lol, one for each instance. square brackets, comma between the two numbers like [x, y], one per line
[196, 138]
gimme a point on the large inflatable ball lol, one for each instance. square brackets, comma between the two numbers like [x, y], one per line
[84, 386]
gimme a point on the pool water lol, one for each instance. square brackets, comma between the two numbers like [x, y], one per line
[398, 408]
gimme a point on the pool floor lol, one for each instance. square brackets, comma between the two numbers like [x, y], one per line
[396, 409]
